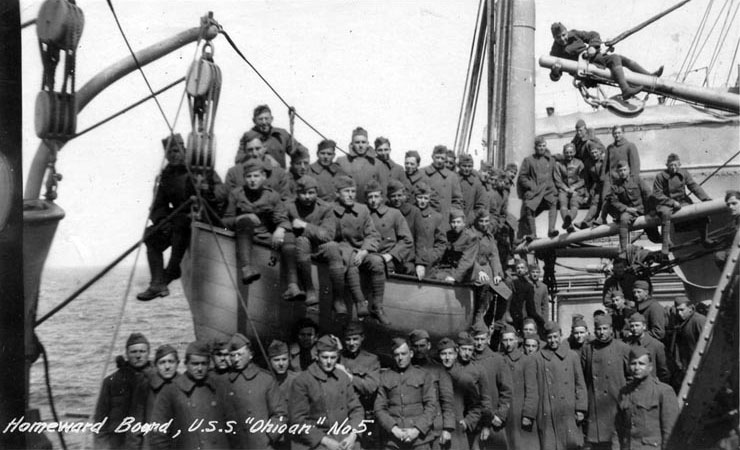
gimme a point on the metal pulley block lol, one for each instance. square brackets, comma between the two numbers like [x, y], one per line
[204, 75]
[200, 151]
[55, 115]
[59, 24]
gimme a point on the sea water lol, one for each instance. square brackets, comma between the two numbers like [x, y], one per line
[78, 338]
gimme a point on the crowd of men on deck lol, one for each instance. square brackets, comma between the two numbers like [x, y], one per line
[510, 381]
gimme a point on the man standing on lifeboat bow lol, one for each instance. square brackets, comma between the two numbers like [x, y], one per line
[570, 44]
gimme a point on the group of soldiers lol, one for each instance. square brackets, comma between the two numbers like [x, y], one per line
[538, 391]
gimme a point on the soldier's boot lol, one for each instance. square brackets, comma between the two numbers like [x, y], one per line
[305, 280]
[483, 303]
[293, 293]
[552, 217]
[378, 285]
[627, 90]
[157, 286]
[244, 254]
[357, 297]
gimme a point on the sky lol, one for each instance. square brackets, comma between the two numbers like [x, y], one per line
[395, 68]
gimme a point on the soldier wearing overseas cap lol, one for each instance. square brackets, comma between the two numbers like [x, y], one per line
[584, 142]
[627, 197]
[363, 370]
[251, 147]
[398, 198]
[594, 178]
[396, 243]
[359, 242]
[389, 170]
[559, 376]
[525, 397]
[467, 405]
[522, 303]
[314, 227]
[255, 212]
[428, 231]
[146, 393]
[669, 189]
[176, 187]
[220, 358]
[473, 192]
[443, 181]
[279, 359]
[325, 170]
[499, 384]
[456, 263]
[541, 293]
[639, 337]
[605, 368]
[472, 372]
[277, 141]
[530, 343]
[487, 271]
[653, 311]
[189, 399]
[444, 421]
[323, 397]
[570, 44]
[250, 391]
[638, 426]
[537, 189]
[579, 335]
[450, 163]
[360, 164]
[617, 294]
[686, 332]
[116, 400]
[406, 403]
[570, 181]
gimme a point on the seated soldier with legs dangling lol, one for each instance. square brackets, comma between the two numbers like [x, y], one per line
[569, 180]
[358, 241]
[314, 227]
[396, 244]
[487, 271]
[255, 212]
[457, 261]
[627, 197]
[428, 232]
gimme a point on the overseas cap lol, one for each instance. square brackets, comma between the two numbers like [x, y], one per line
[681, 300]
[622, 163]
[579, 323]
[604, 319]
[638, 351]
[445, 343]
[417, 335]
[136, 338]
[413, 154]
[373, 186]
[465, 158]
[551, 327]
[238, 341]
[672, 157]
[478, 328]
[637, 317]
[219, 343]
[398, 342]
[353, 328]
[641, 284]
[197, 348]
[305, 183]
[539, 140]
[439, 149]
[464, 338]
[300, 153]
[164, 350]
[277, 348]
[395, 186]
[343, 182]
[580, 123]
[422, 188]
[507, 328]
[327, 343]
[253, 165]
[455, 213]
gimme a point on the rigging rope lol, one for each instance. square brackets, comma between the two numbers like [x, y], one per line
[47, 381]
[719, 168]
[726, 26]
[277, 94]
